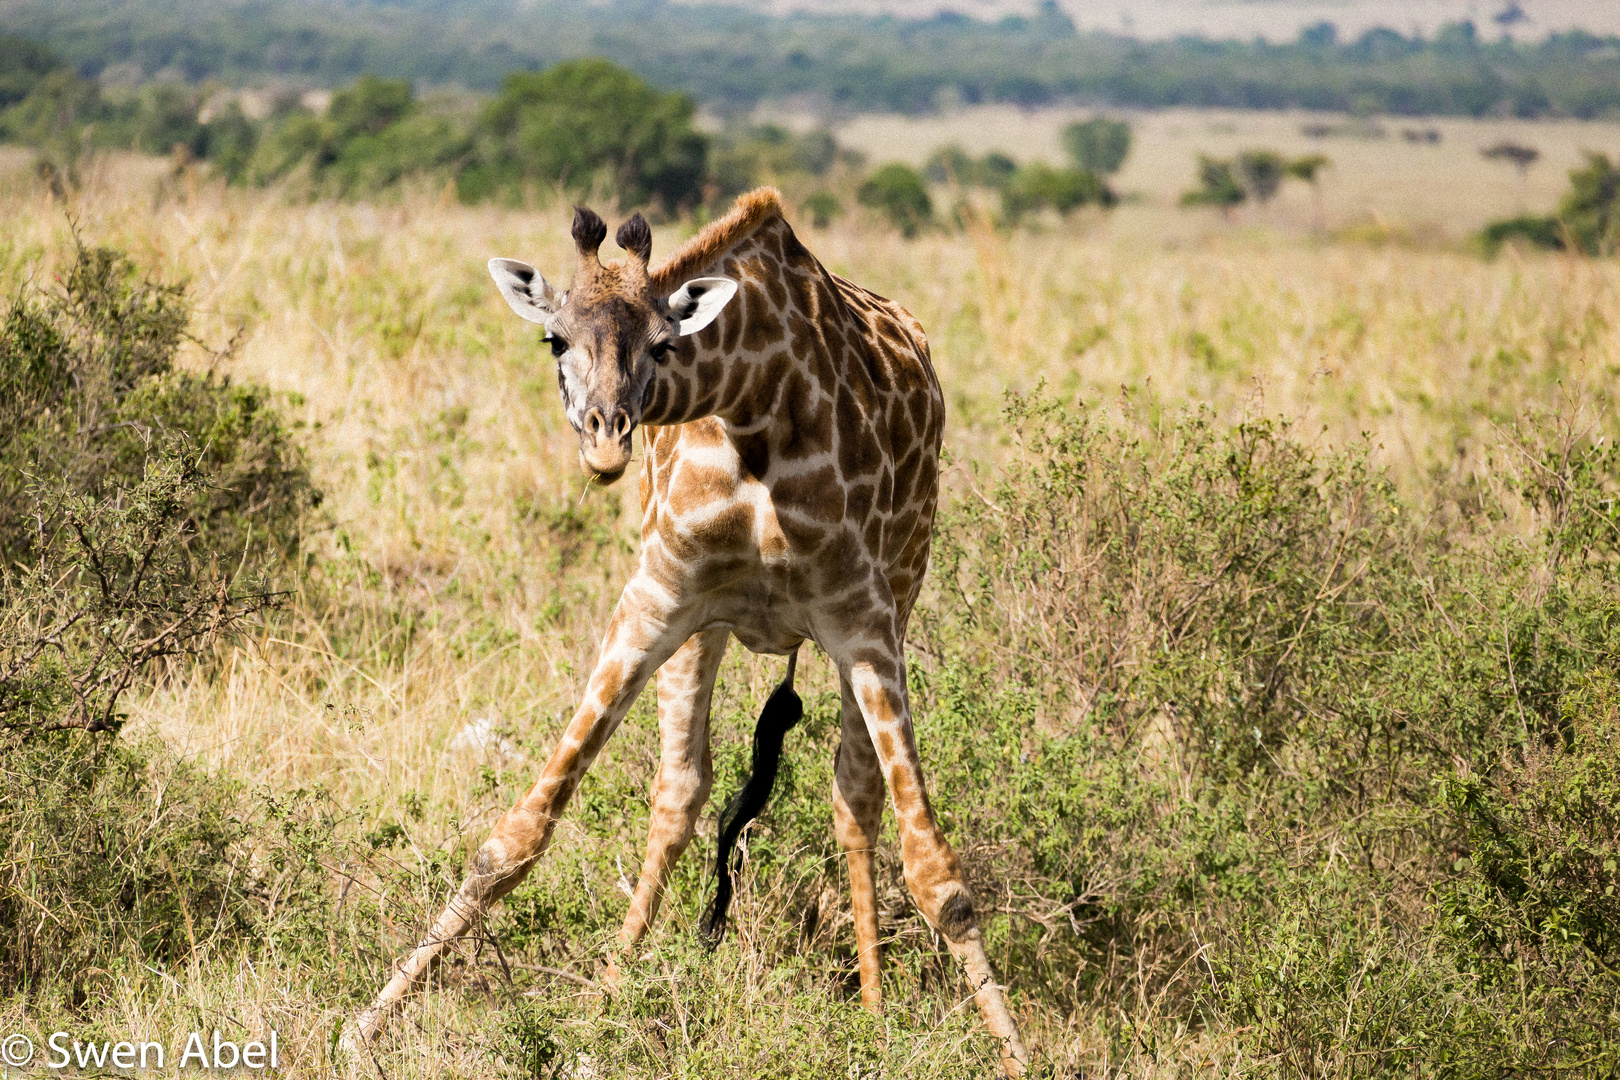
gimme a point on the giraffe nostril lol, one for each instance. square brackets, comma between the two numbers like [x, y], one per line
[593, 421]
[621, 424]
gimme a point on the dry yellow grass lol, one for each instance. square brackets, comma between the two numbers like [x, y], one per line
[434, 432]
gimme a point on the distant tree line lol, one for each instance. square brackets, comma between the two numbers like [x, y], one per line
[721, 55]
[585, 125]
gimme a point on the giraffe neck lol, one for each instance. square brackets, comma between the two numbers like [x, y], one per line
[740, 367]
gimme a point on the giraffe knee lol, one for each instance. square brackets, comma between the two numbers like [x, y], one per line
[955, 917]
[494, 873]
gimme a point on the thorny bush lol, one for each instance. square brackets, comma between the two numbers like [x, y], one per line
[143, 512]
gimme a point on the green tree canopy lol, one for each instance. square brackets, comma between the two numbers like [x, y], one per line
[1099, 144]
[1588, 217]
[22, 64]
[370, 106]
[1305, 168]
[1261, 172]
[1038, 185]
[1217, 186]
[900, 193]
[587, 122]
[1591, 210]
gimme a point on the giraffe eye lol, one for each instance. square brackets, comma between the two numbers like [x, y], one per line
[660, 351]
[558, 345]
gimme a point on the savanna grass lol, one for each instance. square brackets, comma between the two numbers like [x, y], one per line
[1183, 679]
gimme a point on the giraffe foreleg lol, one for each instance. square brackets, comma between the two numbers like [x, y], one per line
[857, 814]
[934, 876]
[637, 642]
[685, 771]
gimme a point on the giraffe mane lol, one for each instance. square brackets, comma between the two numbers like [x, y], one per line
[752, 209]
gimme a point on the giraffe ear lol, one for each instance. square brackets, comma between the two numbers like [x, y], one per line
[524, 288]
[697, 302]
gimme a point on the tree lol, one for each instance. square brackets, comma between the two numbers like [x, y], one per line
[1521, 156]
[166, 119]
[1098, 145]
[1591, 210]
[1262, 173]
[822, 206]
[901, 195]
[370, 106]
[22, 64]
[951, 165]
[1588, 217]
[1038, 186]
[584, 123]
[229, 140]
[1218, 186]
[1307, 168]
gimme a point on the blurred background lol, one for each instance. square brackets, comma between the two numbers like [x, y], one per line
[1431, 119]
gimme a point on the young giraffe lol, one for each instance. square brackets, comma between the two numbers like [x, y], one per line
[788, 491]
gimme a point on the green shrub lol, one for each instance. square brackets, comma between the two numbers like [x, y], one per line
[1591, 209]
[138, 503]
[1262, 173]
[228, 141]
[1201, 680]
[369, 107]
[1098, 145]
[900, 194]
[90, 397]
[952, 164]
[23, 64]
[823, 207]
[1038, 186]
[1217, 186]
[769, 154]
[1531, 229]
[142, 511]
[1534, 918]
[1588, 217]
[166, 118]
[374, 134]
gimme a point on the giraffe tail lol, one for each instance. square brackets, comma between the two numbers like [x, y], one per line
[782, 710]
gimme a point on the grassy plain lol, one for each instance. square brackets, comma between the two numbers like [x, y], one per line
[1428, 192]
[465, 573]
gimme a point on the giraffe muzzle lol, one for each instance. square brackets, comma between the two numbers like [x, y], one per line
[605, 444]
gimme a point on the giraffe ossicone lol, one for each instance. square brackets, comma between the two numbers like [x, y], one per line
[792, 426]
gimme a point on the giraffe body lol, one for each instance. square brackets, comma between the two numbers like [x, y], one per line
[789, 483]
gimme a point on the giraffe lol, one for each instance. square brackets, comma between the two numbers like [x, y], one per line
[791, 428]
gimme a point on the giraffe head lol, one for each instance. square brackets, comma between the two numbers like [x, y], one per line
[609, 332]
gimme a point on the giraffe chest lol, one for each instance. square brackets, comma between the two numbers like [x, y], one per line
[763, 550]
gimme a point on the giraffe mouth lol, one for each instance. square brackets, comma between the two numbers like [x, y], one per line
[610, 462]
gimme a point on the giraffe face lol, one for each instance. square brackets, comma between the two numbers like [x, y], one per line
[610, 335]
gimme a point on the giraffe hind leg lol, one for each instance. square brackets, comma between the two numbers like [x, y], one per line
[858, 794]
[933, 872]
[782, 711]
